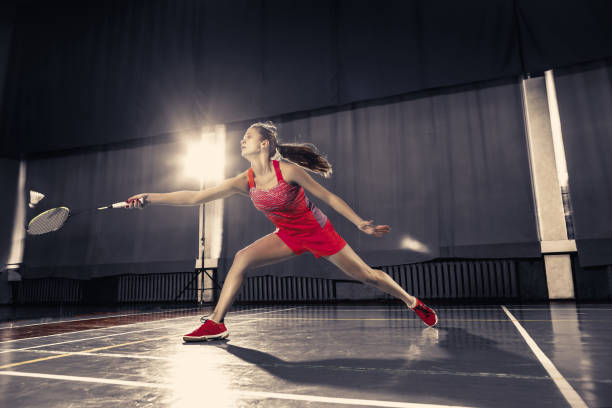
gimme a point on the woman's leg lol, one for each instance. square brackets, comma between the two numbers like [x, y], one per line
[265, 251]
[352, 265]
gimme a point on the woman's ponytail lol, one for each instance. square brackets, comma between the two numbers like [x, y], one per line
[305, 155]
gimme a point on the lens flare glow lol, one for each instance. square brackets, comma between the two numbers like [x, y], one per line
[409, 242]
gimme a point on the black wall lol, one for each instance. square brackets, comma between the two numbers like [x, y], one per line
[96, 72]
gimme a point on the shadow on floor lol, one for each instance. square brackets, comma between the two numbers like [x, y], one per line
[449, 363]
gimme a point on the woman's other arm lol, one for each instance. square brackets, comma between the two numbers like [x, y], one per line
[299, 175]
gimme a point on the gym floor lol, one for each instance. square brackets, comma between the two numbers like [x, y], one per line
[539, 355]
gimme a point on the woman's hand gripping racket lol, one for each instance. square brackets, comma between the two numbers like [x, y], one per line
[55, 218]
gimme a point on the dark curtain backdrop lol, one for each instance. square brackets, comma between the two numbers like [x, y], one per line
[113, 242]
[585, 106]
[9, 173]
[556, 33]
[446, 169]
[7, 16]
[97, 72]
[92, 73]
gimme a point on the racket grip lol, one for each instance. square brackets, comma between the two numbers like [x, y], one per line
[124, 204]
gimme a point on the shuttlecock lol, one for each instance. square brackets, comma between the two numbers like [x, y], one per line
[35, 198]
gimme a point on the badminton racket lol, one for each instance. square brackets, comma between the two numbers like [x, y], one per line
[55, 218]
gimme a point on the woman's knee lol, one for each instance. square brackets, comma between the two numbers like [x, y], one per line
[369, 276]
[241, 260]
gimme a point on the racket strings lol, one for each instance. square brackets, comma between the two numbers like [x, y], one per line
[50, 220]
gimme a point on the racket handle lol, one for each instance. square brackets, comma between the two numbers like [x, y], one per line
[123, 204]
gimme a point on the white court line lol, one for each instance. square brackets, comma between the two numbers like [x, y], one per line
[399, 308]
[119, 315]
[134, 331]
[544, 308]
[78, 340]
[290, 364]
[114, 334]
[94, 318]
[360, 370]
[566, 389]
[122, 345]
[112, 327]
[106, 317]
[346, 401]
[112, 355]
[239, 393]
[314, 308]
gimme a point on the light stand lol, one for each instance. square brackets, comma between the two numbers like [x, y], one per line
[208, 165]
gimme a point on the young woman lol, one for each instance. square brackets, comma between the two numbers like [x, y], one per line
[277, 189]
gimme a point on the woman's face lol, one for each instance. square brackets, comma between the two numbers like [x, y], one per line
[251, 143]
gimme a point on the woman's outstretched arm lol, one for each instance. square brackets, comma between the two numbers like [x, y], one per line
[301, 177]
[227, 188]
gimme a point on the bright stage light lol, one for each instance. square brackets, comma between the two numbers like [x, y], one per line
[205, 160]
[194, 160]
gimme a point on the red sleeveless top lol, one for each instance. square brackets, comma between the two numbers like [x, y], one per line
[287, 206]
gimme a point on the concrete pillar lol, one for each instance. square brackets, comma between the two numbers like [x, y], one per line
[548, 172]
[10, 266]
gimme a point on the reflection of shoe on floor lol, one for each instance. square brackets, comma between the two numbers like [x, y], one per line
[427, 315]
[430, 336]
[208, 331]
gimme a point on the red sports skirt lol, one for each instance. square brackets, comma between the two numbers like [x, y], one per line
[323, 242]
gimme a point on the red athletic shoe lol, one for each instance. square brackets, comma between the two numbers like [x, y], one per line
[208, 331]
[427, 315]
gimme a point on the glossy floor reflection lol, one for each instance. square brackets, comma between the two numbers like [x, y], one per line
[313, 356]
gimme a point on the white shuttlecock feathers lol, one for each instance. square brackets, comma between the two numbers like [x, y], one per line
[35, 198]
